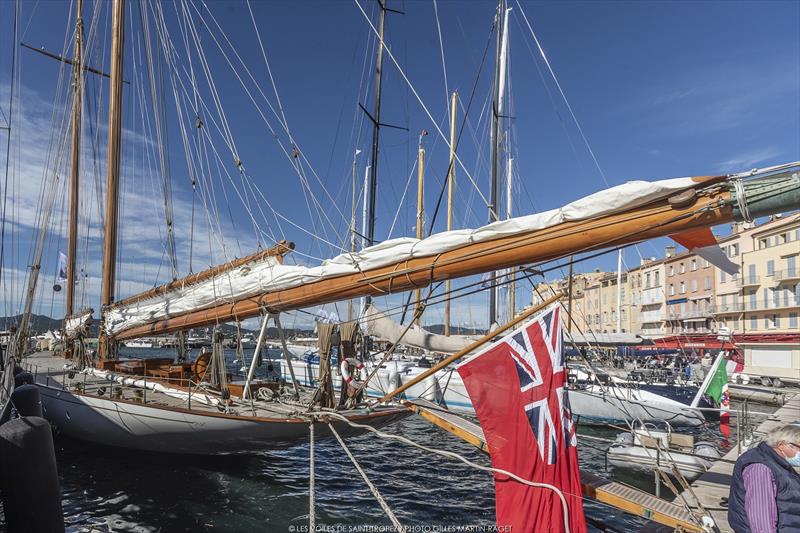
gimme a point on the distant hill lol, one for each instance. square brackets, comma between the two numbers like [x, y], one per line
[39, 323]
[42, 324]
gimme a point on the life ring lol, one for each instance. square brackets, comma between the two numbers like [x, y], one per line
[347, 375]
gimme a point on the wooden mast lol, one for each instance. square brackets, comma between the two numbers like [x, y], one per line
[451, 176]
[420, 210]
[112, 180]
[77, 109]
[709, 206]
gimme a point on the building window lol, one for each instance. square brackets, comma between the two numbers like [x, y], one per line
[694, 265]
[706, 264]
[753, 299]
[681, 268]
[694, 285]
[734, 249]
[658, 281]
[792, 320]
[770, 268]
[683, 287]
[722, 276]
[671, 270]
[765, 292]
[671, 289]
[753, 322]
[707, 283]
[783, 238]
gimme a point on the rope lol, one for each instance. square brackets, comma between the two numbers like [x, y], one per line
[456, 457]
[312, 519]
[395, 522]
[741, 199]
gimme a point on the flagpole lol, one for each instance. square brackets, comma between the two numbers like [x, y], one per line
[706, 381]
[483, 340]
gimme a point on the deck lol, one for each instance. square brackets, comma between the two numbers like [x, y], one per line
[710, 488]
[615, 494]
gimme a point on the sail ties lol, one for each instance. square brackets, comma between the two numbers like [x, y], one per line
[741, 199]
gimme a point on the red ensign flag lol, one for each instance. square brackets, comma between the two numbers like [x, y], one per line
[517, 388]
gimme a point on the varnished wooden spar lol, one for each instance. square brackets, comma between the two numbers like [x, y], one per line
[277, 251]
[710, 207]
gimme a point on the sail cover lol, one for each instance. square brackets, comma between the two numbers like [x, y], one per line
[377, 324]
[76, 324]
[266, 274]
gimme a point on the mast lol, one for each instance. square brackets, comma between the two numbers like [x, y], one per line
[114, 149]
[497, 113]
[619, 290]
[352, 225]
[451, 176]
[511, 287]
[376, 126]
[77, 109]
[420, 207]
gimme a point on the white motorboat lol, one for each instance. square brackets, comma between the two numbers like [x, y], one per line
[647, 448]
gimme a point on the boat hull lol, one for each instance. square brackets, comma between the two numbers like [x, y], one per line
[128, 424]
[589, 406]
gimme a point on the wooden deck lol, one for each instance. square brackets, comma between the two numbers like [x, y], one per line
[710, 488]
[615, 494]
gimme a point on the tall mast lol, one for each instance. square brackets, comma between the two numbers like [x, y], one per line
[376, 126]
[77, 109]
[451, 176]
[114, 149]
[511, 287]
[497, 113]
[619, 290]
[352, 226]
[420, 207]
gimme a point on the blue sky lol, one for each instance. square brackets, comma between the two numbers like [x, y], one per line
[661, 89]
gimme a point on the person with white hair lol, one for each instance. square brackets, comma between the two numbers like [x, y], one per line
[765, 488]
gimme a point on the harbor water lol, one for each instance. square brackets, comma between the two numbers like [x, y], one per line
[107, 489]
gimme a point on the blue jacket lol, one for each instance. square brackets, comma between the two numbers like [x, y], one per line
[787, 483]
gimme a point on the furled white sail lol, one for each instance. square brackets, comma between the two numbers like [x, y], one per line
[77, 324]
[266, 275]
[377, 324]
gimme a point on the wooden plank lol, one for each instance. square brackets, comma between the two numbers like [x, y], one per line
[628, 499]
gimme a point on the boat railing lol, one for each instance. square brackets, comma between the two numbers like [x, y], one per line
[81, 381]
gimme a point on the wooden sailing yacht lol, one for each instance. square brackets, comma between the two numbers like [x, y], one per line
[164, 406]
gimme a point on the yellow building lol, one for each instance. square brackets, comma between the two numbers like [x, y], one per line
[770, 279]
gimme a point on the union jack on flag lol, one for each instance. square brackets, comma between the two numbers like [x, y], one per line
[537, 353]
[517, 388]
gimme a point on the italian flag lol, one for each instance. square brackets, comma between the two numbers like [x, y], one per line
[717, 389]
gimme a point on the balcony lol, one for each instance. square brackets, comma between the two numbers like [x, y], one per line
[787, 275]
[696, 314]
[721, 309]
[748, 281]
[781, 303]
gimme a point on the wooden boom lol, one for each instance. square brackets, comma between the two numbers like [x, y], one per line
[712, 202]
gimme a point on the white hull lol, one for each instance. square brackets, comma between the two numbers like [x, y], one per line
[589, 406]
[641, 459]
[127, 424]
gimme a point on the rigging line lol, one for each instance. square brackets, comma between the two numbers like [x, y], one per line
[257, 190]
[421, 102]
[444, 63]
[561, 91]
[454, 456]
[14, 53]
[301, 154]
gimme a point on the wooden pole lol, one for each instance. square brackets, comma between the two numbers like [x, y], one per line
[451, 176]
[112, 179]
[483, 340]
[569, 301]
[658, 219]
[420, 211]
[77, 108]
